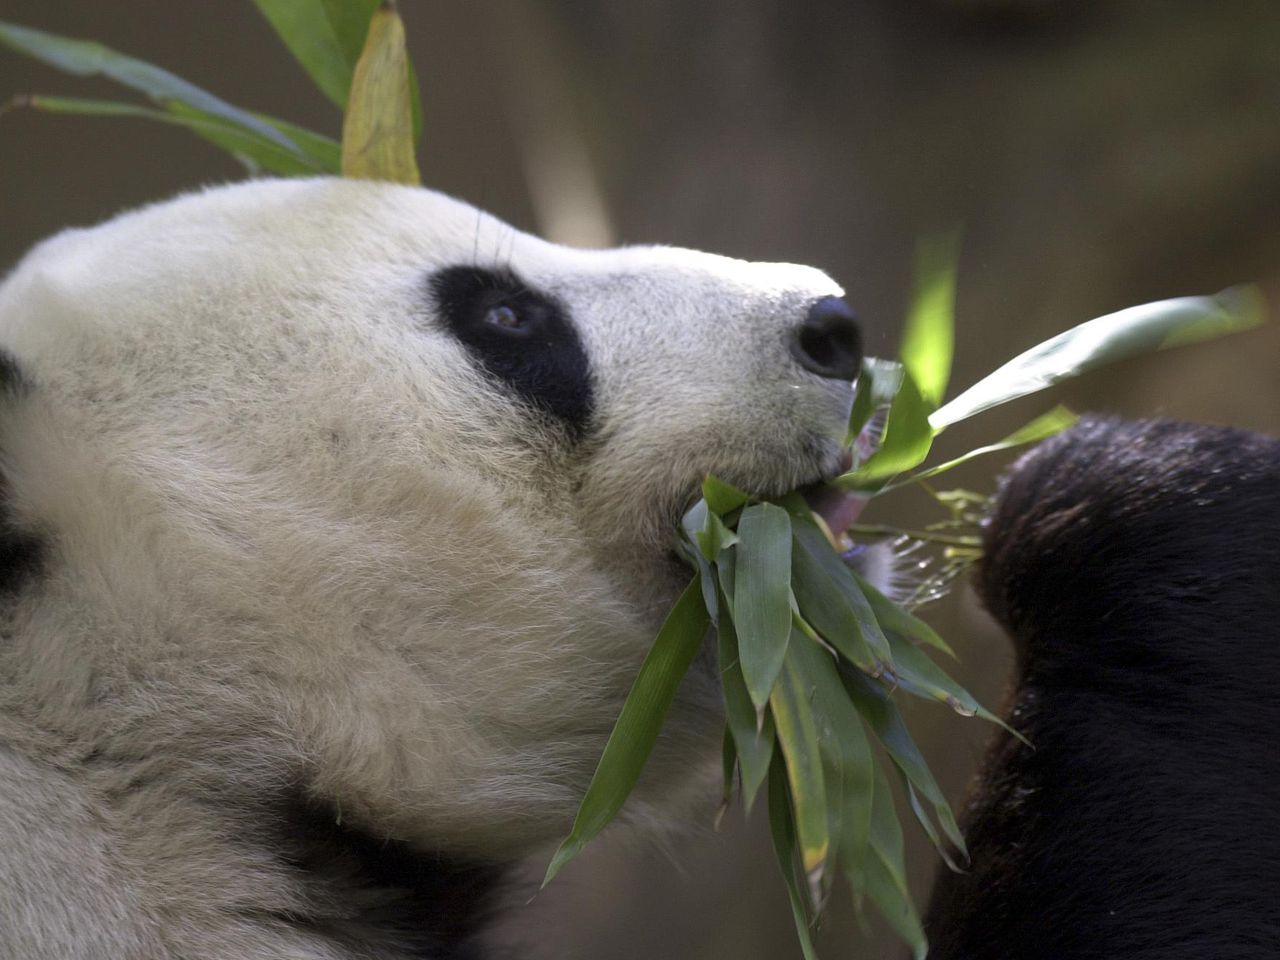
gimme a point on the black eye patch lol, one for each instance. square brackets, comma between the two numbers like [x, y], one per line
[520, 337]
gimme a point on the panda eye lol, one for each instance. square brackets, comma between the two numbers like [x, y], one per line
[524, 339]
[506, 320]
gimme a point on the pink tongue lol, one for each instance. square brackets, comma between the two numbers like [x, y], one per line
[838, 508]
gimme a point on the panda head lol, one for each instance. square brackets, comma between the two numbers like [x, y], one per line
[355, 488]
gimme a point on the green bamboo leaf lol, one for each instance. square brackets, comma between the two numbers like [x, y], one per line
[84, 58]
[729, 765]
[377, 131]
[762, 596]
[256, 152]
[884, 838]
[1141, 329]
[752, 731]
[723, 498]
[727, 573]
[87, 107]
[907, 439]
[694, 520]
[880, 713]
[714, 536]
[862, 407]
[892, 618]
[307, 30]
[824, 606]
[929, 334]
[917, 674]
[313, 154]
[846, 754]
[710, 595]
[1041, 428]
[636, 731]
[349, 21]
[692, 525]
[782, 830]
[810, 539]
[882, 875]
[927, 824]
[878, 384]
[798, 741]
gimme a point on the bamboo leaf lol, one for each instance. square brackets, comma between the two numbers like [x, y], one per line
[880, 713]
[877, 386]
[714, 536]
[255, 151]
[927, 824]
[313, 152]
[1041, 428]
[727, 572]
[892, 618]
[917, 674]
[349, 21]
[84, 58]
[762, 596]
[863, 405]
[693, 524]
[308, 31]
[710, 595]
[882, 875]
[824, 605]
[810, 539]
[87, 107]
[377, 132]
[907, 439]
[729, 766]
[798, 739]
[782, 830]
[1141, 329]
[721, 497]
[929, 334]
[753, 731]
[636, 731]
[694, 520]
[846, 754]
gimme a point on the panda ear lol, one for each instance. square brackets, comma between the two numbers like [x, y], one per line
[21, 552]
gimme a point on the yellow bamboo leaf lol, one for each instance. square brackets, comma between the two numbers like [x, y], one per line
[377, 132]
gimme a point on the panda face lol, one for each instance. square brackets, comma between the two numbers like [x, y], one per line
[363, 467]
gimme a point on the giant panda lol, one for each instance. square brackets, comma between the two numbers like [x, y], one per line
[1137, 568]
[337, 518]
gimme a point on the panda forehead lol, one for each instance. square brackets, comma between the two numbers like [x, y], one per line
[455, 233]
[362, 229]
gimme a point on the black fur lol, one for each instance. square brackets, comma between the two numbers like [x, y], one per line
[1138, 568]
[539, 356]
[21, 552]
[385, 898]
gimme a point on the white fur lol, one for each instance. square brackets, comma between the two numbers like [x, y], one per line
[295, 537]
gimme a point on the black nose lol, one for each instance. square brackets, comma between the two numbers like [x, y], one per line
[828, 343]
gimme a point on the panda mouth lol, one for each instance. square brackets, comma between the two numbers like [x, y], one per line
[838, 509]
[834, 508]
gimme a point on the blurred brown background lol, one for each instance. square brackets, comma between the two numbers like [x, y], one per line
[1099, 153]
